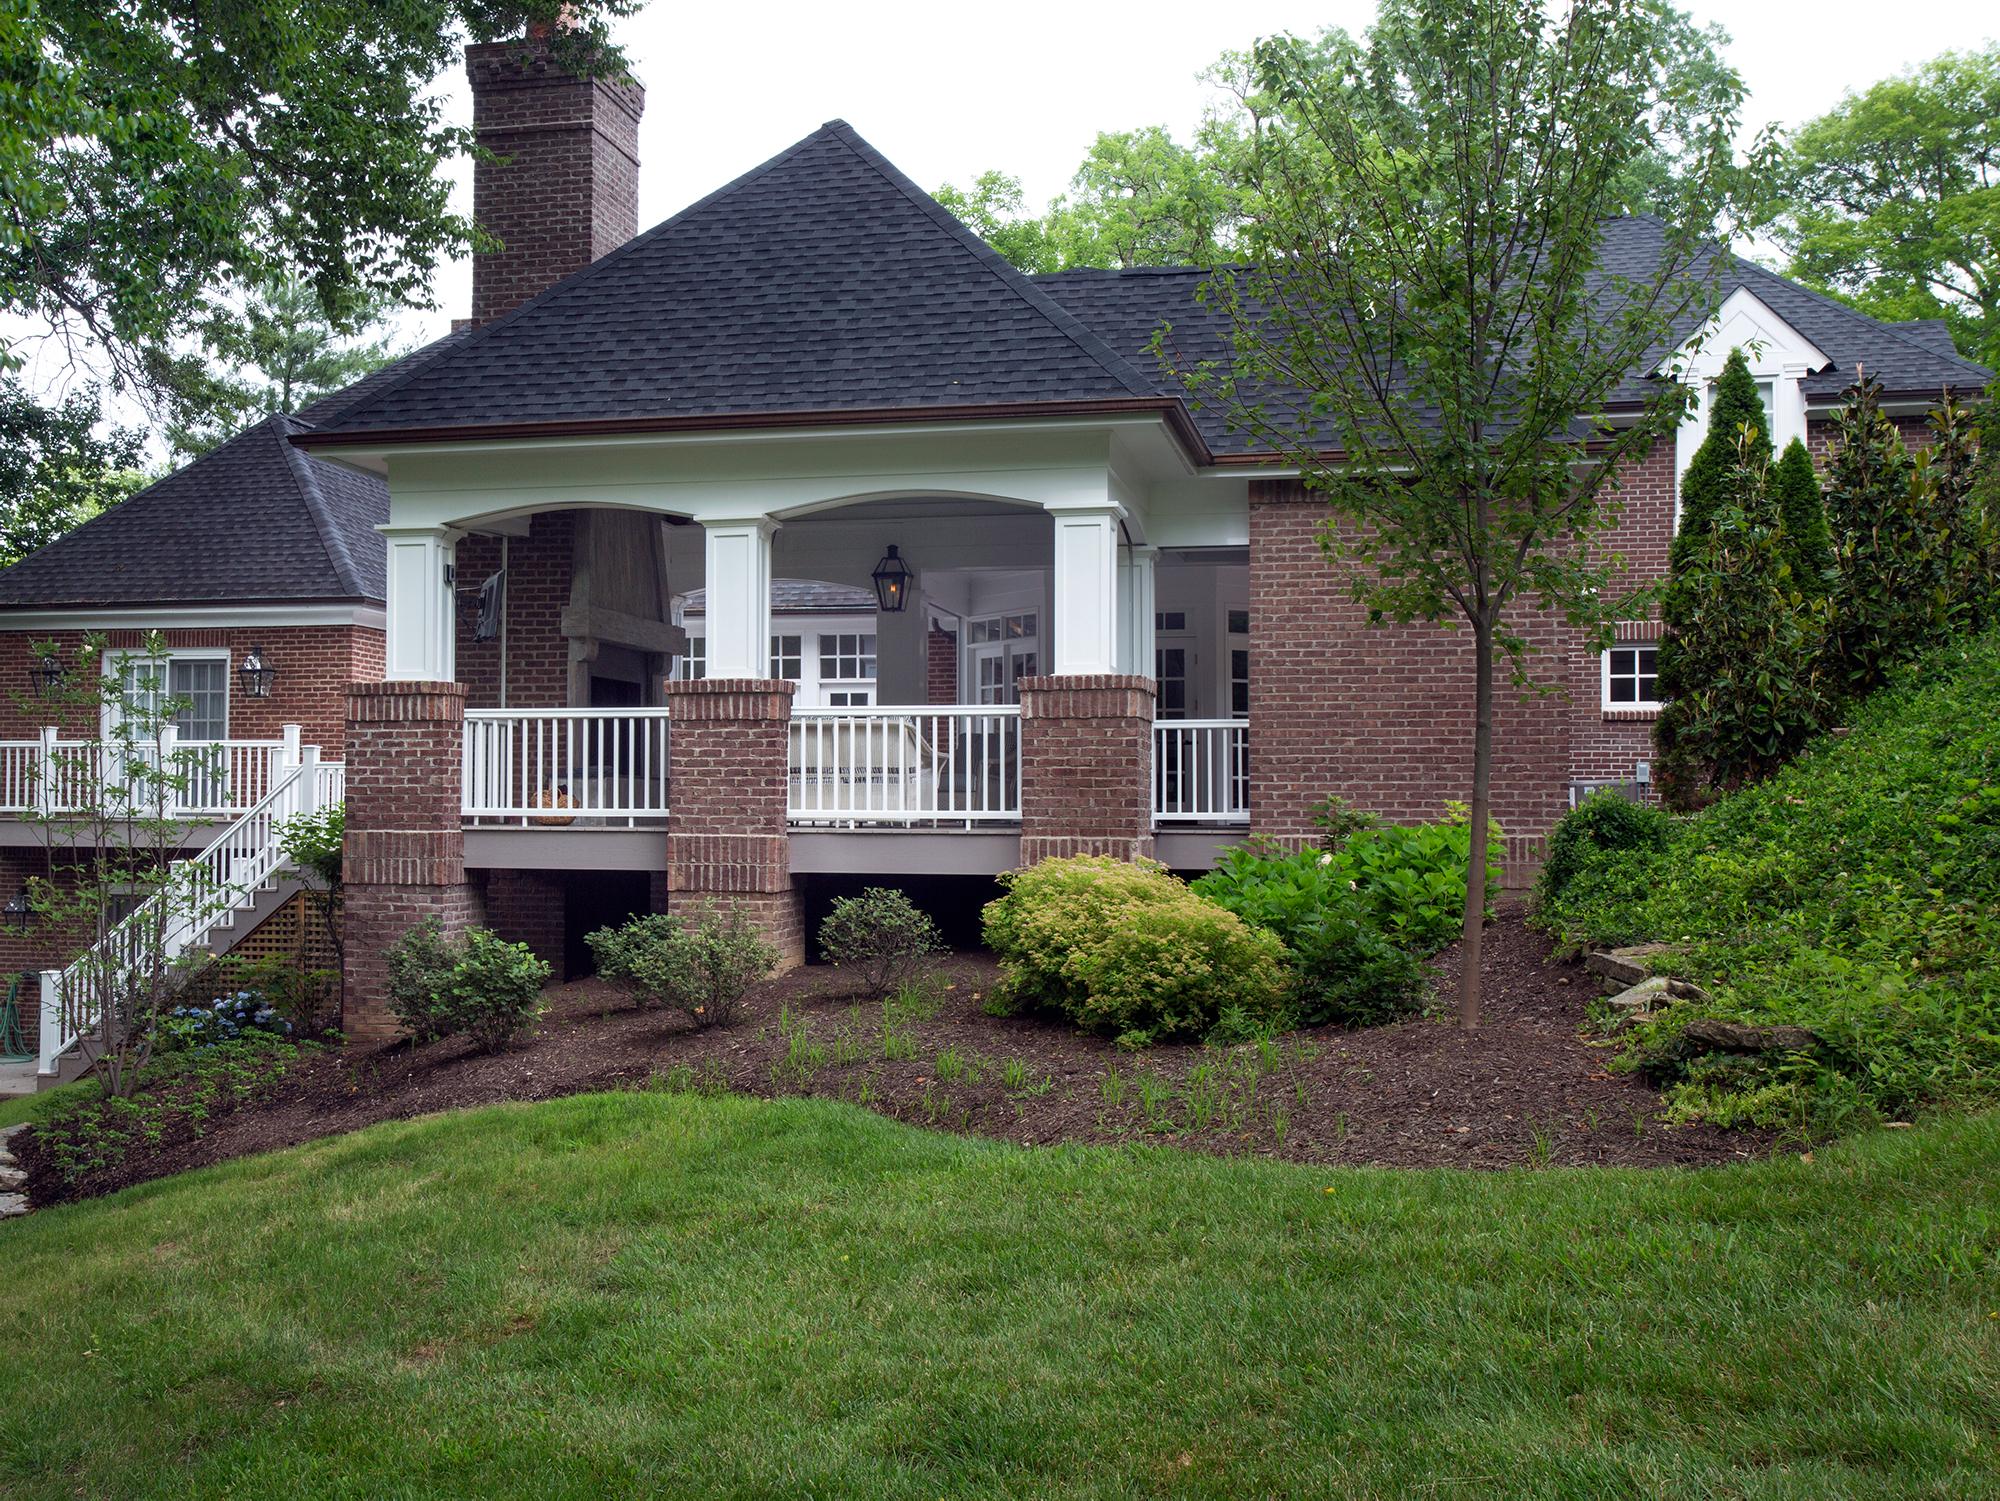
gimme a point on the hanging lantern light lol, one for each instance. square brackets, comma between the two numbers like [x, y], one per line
[892, 582]
[256, 674]
[45, 676]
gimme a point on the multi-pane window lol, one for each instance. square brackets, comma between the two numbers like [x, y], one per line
[1000, 628]
[1239, 683]
[200, 685]
[786, 657]
[847, 668]
[694, 661]
[1170, 620]
[1631, 676]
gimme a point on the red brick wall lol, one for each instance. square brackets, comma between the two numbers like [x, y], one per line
[567, 189]
[315, 663]
[940, 666]
[726, 835]
[538, 587]
[405, 854]
[1086, 750]
[1382, 717]
[528, 906]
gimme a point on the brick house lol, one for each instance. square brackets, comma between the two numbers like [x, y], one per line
[802, 536]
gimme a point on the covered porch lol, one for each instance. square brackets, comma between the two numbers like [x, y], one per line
[906, 626]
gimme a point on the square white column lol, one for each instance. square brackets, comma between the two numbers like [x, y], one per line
[1086, 591]
[739, 597]
[1136, 610]
[422, 644]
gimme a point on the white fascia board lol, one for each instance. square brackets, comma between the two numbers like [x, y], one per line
[206, 617]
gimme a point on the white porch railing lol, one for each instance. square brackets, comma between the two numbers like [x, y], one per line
[200, 893]
[565, 766]
[1201, 771]
[905, 767]
[218, 777]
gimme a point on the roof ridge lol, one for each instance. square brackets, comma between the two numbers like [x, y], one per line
[486, 330]
[330, 535]
[996, 265]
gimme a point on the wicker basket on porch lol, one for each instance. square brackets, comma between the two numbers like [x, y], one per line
[553, 797]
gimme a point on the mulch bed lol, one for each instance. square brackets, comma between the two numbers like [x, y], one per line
[1526, 1089]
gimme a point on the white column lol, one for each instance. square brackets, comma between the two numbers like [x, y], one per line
[1086, 589]
[739, 597]
[1788, 407]
[1136, 609]
[422, 643]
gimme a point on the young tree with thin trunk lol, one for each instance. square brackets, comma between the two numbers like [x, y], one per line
[1427, 328]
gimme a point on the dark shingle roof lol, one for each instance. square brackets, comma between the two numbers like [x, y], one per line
[822, 280]
[1910, 359]
[254, 519]
[1933, 333]
[802, 597]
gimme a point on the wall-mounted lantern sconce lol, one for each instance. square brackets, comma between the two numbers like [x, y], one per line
[256, 673]
[18, 911]
[45, 676]
[892, 583]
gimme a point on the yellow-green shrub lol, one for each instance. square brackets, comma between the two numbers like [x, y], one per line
[1126, 948]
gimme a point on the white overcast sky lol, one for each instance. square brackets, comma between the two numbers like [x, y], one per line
[948, 90]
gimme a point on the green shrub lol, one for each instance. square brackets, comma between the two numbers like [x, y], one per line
[1126, 948]
[880, 935]
[1856, 894]
[1603, 822]
[1412, 876]
[1346, 971]
[701, 964]
[633, 957]
[1892, 557]
[479, 985]
[494, 992]
[420, 966]
[1742, 682]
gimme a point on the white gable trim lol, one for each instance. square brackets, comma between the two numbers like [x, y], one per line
[1778, 353]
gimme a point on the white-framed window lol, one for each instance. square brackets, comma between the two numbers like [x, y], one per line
[1000, 651]
[694, 661]
[786, 658]
[847, 668]
[1632, 675]
[197, 680]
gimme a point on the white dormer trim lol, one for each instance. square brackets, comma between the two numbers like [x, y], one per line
[1779, 356]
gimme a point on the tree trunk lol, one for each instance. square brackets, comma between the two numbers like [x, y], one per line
[1475, 867]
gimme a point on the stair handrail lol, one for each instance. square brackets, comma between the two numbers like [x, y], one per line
[223, 873]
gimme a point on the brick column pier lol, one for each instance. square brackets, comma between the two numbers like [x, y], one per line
[1086, 766]
[405, 852]
[727, 840]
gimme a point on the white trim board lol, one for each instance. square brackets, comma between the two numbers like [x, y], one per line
[175, 618]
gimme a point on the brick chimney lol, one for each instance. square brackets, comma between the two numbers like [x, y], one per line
[567, 188]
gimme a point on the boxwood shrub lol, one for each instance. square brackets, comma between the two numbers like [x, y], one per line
[1127, 949]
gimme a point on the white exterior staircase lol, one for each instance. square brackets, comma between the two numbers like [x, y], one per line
[212, 898]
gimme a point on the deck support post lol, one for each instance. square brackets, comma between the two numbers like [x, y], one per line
[728, 844]
[1087, 766]
[405, 848]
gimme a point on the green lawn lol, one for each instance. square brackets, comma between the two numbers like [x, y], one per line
[620, 1294]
